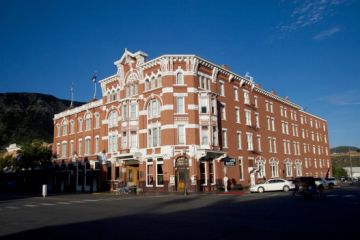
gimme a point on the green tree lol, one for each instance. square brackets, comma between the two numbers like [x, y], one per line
[338, 171]
[34, 154]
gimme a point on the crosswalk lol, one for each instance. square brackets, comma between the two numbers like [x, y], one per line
[50, 204]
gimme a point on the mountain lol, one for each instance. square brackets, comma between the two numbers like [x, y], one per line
[344, 149]
[27, 116]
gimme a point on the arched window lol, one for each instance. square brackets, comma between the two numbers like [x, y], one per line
[260, 165]
[153, 108]
[113, 119]
[153, 83]
[298, 167]
[88, 122]
[147, 84]
[274, 168]
[63, 149]
[288, 168]
[179, 78]
[97, 120]
[113, 95]
[58, 130]
[64, 127]
[80, 121]
[72, 126]
[118, 94]
[108, 97]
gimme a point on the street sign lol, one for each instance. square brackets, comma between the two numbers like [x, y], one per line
[229, 162]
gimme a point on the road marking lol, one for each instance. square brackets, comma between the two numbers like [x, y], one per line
[332, 195]
[30, 205]
[77, 201]
[348, 196]
[47, 204]
[63, 203]
[12, 207]
[90, 200]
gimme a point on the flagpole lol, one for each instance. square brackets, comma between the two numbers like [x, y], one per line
[94, 81]
[72, 95]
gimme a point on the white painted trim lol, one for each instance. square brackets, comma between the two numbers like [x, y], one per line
[191, 90]
[143, 113]
[79, 109]
[167, 107]
[142, 131]
[168, 126]
[180, 94]
[193, 107]
[167, 90]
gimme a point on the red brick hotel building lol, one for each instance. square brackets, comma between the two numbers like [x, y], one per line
[180, 121]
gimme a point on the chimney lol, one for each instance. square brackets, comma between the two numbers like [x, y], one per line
[225, 67]
[274, 92]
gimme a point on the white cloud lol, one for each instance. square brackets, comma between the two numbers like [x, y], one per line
[309, 12]
[351, 97]
[327, 33]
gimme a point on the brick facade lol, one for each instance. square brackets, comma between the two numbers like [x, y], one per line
[171, 122]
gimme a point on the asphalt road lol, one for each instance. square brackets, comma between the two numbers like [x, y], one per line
[209, 216]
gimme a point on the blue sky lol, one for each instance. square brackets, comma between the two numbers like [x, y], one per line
[307, 50]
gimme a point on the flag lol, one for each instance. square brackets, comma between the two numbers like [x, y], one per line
[94, 78]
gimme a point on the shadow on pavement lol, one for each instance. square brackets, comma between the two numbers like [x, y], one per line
[226, 217]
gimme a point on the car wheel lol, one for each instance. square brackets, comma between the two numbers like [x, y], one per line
[286, 188]
[260, 189]
[331, 185]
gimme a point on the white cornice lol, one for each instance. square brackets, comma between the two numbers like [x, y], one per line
[81, 108]
[188, 57]
[312, 115]
[283, 100]
[108, 79]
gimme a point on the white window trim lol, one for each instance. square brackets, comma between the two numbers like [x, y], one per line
[156, 172]
[241, 159]
[224, 138]
[206, 173]
[147, 173]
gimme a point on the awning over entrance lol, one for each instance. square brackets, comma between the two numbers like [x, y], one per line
[127, 159]
[211, 155]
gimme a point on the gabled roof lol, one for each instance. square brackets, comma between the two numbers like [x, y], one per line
[128, 53]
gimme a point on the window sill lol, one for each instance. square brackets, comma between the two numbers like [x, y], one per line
[180, 85]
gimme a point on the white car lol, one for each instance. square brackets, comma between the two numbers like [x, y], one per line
[331, 182]
[274, 184]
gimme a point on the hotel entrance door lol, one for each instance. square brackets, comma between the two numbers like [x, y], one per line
[132, 175]
[182, 174]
